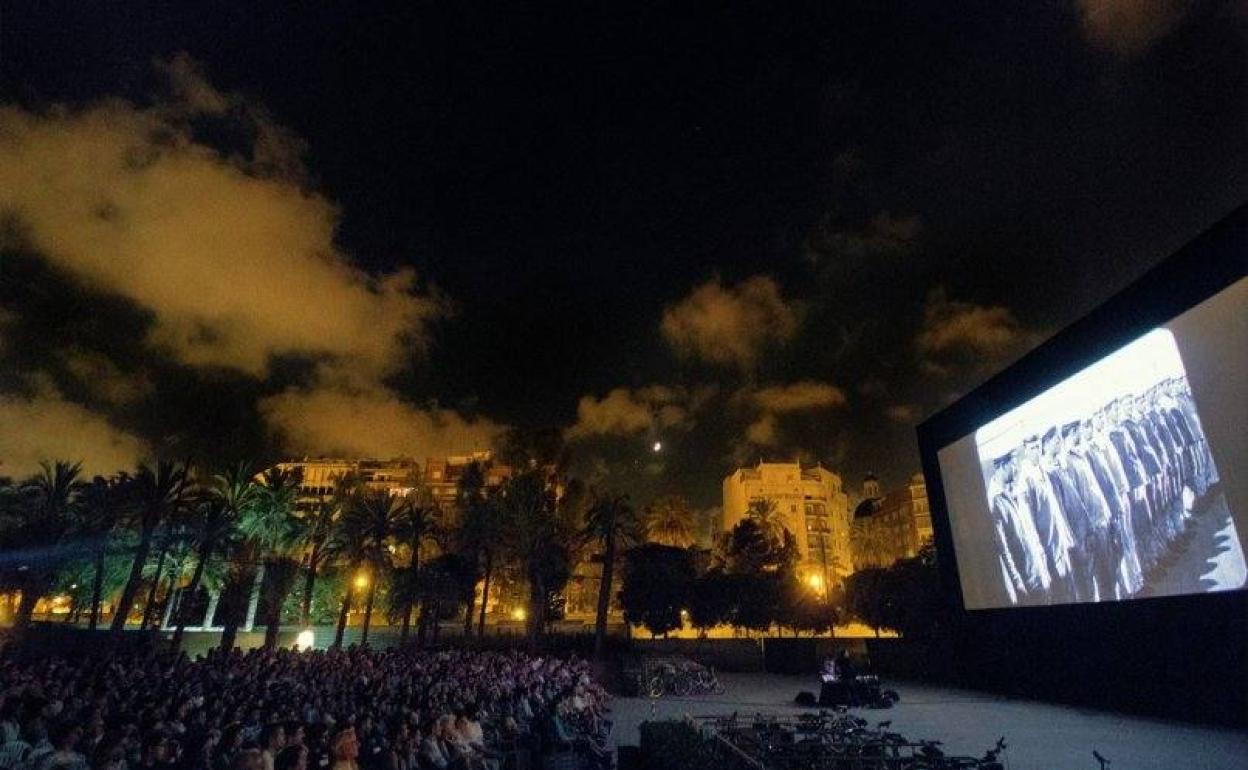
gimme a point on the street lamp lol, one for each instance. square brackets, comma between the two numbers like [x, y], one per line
[361, 580]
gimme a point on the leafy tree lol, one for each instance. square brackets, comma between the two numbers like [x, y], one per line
[37, 523]
[754, 547]
[155, 494]
[711, 600]
[802, 610]
[657, 585]
[669, 521]
[865, 597]
[611, 522]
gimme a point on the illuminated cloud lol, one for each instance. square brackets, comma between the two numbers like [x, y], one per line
[730, 325]
[1128, 27]
[44, 426]
[763, 431]
[770, 403]
[798, 397]
[369, 421]
[906, 414]
[951, 327]
[624, 412]
[234, 258]
[103, 379]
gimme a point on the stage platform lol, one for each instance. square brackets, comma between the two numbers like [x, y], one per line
[1040, 736]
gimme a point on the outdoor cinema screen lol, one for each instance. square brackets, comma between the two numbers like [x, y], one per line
[1124, 480]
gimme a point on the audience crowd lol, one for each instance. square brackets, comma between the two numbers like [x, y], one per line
[357, 709]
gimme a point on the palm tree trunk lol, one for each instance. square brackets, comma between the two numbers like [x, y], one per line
[309, 583]
[485, 592]
[472, 601]
[25, 609]
[537, 598]
[151, 592]
[126, 602]
[210, 612]
[97, 584]
[407, 625]
[254, 600]
[368, 610]
[171, 594]
[604, 593]
[346, 608]
[205, 551]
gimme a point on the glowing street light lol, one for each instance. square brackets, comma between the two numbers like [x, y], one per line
[658, 446]
[361, 580]
[815, 581]
[519, 614]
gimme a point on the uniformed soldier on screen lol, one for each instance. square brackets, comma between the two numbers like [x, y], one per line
[1152, 476]
[1131, 570]
[1206, 472]
[1094, 447]
[1020, 556]
[1096, 557]
[1053, 460]
[1046, 511]
[1137, 477]
[1164, 520]
[1168, 450]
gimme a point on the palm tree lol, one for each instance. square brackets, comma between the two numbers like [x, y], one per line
[36, 523]
[313, 532]
[415, 522]
[611, 522]
[101, 508]
[272, 524]
[471, 498]
[236, 492]
[482, 528]
[669, 521]
[213, 512]
[363, 539]
[533, 534]
[155, 494]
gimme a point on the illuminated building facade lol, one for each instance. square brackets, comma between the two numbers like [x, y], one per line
[441, 475]
[892, 526]
[809, 503]
[320, 476]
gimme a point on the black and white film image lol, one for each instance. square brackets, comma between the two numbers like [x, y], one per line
[1104, 487]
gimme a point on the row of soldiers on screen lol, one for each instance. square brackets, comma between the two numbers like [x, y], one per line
[1084, 512]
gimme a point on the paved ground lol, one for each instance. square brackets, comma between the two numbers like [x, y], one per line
[1040, 736]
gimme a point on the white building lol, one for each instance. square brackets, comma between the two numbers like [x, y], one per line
[809, 502]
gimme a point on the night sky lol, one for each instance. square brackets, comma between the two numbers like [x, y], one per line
[765, 230]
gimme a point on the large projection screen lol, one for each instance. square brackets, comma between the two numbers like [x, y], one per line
[1128, 479]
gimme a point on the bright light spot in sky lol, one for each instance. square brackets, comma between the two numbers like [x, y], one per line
[658, 446]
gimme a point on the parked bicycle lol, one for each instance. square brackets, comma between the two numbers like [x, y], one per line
[680, 677]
